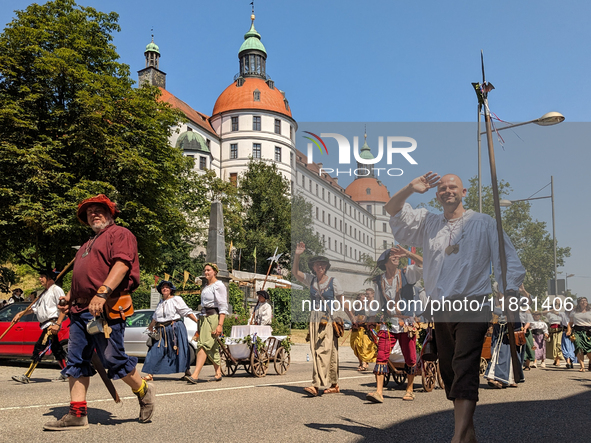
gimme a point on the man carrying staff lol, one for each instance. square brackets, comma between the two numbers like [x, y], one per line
[106, 266]
[458, 247]
[50, 320]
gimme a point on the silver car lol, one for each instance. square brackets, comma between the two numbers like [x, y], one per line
[135, 336]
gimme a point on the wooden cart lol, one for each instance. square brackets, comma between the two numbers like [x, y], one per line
[255, 355]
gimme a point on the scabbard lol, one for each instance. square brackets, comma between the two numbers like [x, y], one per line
[98, 365]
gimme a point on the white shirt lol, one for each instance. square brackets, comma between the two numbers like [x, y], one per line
[525, 317]
[581, 318]
[215, 296]
[389, 292]
[174, 308]
[539, 325]
[553, 318]
[263, 314]
[467, 272]
[46, 307]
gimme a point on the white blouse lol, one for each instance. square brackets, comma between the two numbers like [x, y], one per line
[581, 318]
[174, 308]
[263, 314]
[215, 296]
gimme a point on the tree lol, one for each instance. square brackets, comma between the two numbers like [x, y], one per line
[302, 231]
[72, 126]
[267, 214]
[531, 239]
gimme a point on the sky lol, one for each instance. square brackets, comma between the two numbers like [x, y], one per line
[385, 61]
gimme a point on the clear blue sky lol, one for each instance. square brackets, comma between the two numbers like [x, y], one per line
[385, 61]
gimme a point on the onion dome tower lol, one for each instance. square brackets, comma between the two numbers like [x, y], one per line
[151, 73]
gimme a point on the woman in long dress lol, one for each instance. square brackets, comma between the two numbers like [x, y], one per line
[170, 353]
[580, 327]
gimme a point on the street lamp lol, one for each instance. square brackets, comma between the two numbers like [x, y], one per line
[548, 119]
[506, 203]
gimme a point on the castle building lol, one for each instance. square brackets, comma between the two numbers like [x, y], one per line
[252, 119]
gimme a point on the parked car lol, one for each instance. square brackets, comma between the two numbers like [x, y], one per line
[135, 338]
[21, 339]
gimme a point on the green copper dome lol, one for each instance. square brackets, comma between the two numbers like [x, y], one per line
[252, 41]
[191, 141]
[152, 47]
[365, 153]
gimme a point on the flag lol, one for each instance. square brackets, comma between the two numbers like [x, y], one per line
[230, 251]
[186, 278]
[254, 254]
[166, 277]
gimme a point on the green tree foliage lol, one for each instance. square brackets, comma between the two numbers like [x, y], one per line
[530, 237]
[267, 214]
[302, 231]
[72, 126]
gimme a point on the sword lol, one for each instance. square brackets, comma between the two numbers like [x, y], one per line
[98, 365]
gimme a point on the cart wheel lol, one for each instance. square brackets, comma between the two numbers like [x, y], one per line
[247, 367]
[483, 365]
[399, 377]
[259, 362]
[439, 377]
[429, 375]
[227, 366]
[282, 361]
[387, 379]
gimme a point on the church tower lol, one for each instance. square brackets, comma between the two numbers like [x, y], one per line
[151, 73]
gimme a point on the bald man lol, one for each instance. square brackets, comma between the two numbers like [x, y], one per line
[458, 247]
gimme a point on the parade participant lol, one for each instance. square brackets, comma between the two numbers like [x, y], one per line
[499, 371]
[360, 343]
[580, 327]
[539, 330]
[567, 346]
[554, 319]
[324, 344]
[170, 353]
[214, 299]
[458, 247]
[50, 320]
[526, 319]
[106, 269]
[395, 289]
[263, 314]
[17, 296]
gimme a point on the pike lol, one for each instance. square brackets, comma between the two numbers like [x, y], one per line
[30, 307]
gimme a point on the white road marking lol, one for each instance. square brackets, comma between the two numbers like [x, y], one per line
[168, 394]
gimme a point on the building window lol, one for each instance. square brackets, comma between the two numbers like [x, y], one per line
[256, 96]
[335, 245]
[292, 187]
[355, 233]
[323, 240]
[368, 191]
[277, 126]
[322, 216]
[208, 143]
[234, 150]
[329, 242]
[329, 197]
[369, 208]
[234, 123]
[384, 210]
[234, 178]
[291, 162]
[364, 237]
[341, 247]
[277, 154]
[340, 204]
[303, 181]
[256, 123]
[291, 132]
[322, 193]
[384, 227]
[256, 150]
[328, 219]
[316, 213]
[341, 225]
[310, 183]
[202, 163]
[316, 189]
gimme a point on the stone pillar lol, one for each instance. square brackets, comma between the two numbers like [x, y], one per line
[216, 245]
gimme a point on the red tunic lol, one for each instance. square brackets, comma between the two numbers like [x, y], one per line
[97, 256]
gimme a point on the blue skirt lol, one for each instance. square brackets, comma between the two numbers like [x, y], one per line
[568, 348]
[162, 358]
[500, 367]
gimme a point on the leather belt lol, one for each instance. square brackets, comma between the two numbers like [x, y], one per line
[211, 311]
[582, 328]
[165, 323]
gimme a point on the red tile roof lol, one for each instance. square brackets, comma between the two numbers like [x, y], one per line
[242, 97]
[196, 117]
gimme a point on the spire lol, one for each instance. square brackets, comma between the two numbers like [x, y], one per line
[252, 54]
[365, 153]
[151, 73]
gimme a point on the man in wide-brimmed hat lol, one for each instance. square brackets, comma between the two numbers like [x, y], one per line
[106, 268]
[50, 320]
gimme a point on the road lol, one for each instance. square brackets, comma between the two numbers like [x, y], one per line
[246, 409]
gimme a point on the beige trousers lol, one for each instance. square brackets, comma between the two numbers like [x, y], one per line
[324, 349]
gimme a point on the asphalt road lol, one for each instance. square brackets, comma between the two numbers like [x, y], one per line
[552, 405]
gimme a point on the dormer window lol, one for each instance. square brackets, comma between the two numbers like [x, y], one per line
[368, 191]
[256, 95]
